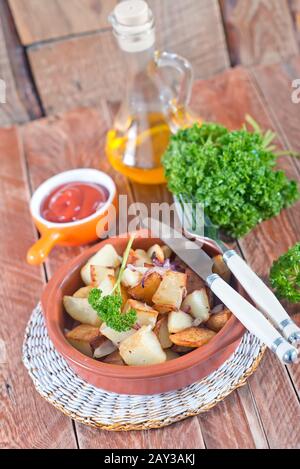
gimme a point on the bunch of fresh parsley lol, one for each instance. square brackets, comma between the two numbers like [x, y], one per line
[285, 275]
[108, 307]
[231, 173]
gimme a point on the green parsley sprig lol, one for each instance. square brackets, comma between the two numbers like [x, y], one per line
[285, 275]
[231, 173]
[108, 307]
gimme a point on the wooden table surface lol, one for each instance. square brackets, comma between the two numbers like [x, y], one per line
[266, 411]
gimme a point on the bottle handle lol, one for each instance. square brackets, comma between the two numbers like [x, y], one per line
[183, 66]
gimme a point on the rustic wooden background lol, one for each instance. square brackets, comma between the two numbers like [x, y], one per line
[56, 55]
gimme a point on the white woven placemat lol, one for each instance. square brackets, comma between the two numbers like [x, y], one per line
[59, 385]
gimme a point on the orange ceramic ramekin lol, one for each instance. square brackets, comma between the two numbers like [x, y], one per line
[73, 233]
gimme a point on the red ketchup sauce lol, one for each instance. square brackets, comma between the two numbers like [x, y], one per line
[73, 201]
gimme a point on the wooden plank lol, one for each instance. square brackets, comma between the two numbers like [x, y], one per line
[226, 425]
[214, 101]
[19, 67]
[14, 109]
[295, 11]
[182, 435]
[41, 20]
[27, 421]
[95, 67]
[258, 32]
[278, 98]
[274, 395]
[286, 115]
[194, 30]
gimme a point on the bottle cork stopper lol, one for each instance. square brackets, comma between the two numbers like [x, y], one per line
[132, 13]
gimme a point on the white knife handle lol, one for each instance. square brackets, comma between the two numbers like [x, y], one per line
[263, 297]
[252, 319]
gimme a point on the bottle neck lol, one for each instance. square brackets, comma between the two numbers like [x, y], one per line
[136, 62]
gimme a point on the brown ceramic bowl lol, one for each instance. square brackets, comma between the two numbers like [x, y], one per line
[154, 379]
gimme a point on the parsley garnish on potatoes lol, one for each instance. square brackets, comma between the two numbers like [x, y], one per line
[285, 275]
[108, 307]
[231, 173]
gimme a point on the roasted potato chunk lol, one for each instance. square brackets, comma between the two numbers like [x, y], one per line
[80, 310]
[169, 295]
[131, 278]
[162, 332]
[156, 252]
[105, 257]
[102, 346]
[115, 336]
[221, 268]
[180, 350]
[114, 359]
[193, 337]
[124, 295]
[107, 285]
[99, 274]
[197, 304]
[83, 292]
[178, 321]
[141, 258]
[81, 338]
[217, 321]
[142, 348]
[146, 288]
[146, 316]
[167, 251]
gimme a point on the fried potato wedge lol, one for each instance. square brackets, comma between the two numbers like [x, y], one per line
[80, 310]
[197, 304]
[81, 338]
[156, 252]
[99, 273]
[114, 359]
[142, 348]
[193, 337]
[170, 292]
[146, 316]
[146, 288]
[217, 321]
[221, 268]
[105, 257]
[162, 332]
[83, 292]
[178, 321]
